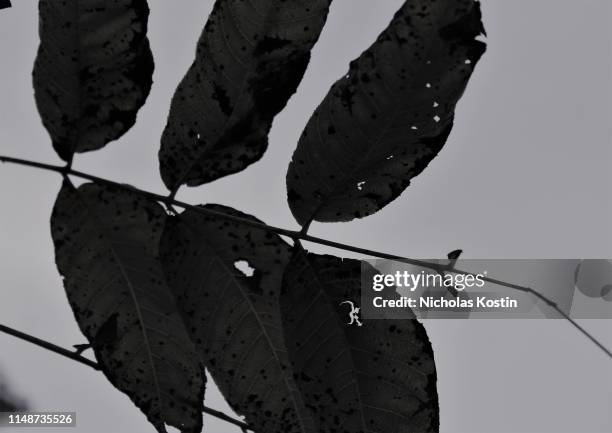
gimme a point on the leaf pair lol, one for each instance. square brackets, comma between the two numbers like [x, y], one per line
[94, 67]
[277, 343]
[379, 126]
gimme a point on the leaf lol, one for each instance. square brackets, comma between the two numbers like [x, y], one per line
[226, 278]
[379, 377]
[382, 123]
[250, 59]
[93, 71]
[106, 242]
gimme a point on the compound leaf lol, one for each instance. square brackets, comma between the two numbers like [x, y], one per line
[93, 71]
[382, 123]
[226, 277]
[250, 59]
[373, 376]
[106, 242]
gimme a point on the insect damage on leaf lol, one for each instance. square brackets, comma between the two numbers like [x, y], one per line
[106, 242]
[382, 123]
[363, 375]
[93, 71]
[250, 59]
[226, 277]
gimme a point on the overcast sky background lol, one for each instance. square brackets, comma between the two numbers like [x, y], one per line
[525, 174]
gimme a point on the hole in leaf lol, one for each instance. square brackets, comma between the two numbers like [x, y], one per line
[244, 267]
[360, 185]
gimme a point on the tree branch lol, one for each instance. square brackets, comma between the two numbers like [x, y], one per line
[85, 361]
[49, 346]
[301, 235]
[547, 301]
[220, 415]
[171, 201]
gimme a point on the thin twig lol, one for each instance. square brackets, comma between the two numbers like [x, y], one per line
[157, 197]
[50, 346]
[88, 362]
[218, 414]
[547, 301]
[299, 235]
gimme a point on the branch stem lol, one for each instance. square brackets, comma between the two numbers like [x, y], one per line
[49, 346]
[171, 201]
[220, 415]
[550, 303]
[300, 236]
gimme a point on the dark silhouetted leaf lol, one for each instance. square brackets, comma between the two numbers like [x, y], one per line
[249, 61]
[226, 278]
[381, 124]
[106, 243]
[379, 377]
[93, 71]
[5, 4]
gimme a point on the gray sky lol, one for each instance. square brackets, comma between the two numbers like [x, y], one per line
[525, 174]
